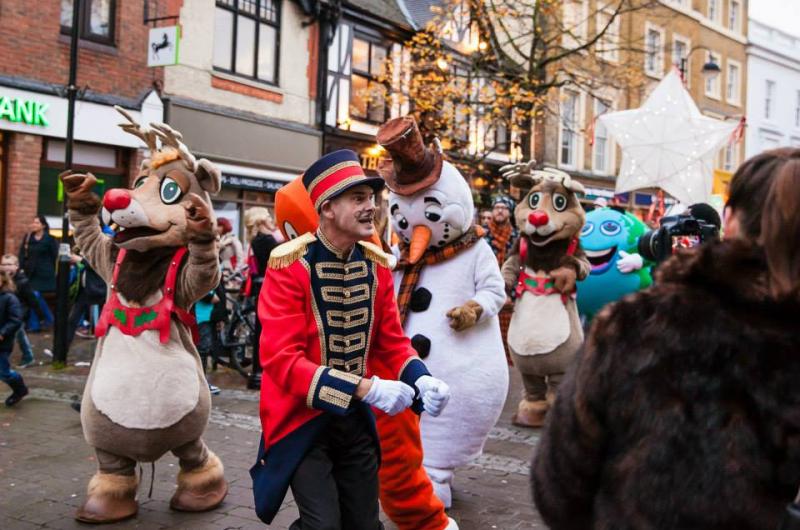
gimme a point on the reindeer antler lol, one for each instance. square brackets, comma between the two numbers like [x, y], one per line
[145, 133]
[556, 175]
[171, 138]
[516, 173]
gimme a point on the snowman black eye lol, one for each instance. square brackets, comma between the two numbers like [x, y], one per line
[433, 212]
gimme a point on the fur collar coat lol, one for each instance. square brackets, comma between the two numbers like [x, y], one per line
[683, 411]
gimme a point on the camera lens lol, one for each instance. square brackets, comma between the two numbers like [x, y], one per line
[648, 245]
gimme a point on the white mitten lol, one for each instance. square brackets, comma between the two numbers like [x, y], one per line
[629, 262]
[392, 397]
[434, 393]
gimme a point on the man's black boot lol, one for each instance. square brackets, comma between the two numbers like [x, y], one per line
[19, 392]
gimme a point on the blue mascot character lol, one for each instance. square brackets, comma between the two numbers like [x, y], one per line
[610, 238]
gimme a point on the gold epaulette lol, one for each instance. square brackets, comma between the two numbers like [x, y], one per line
[287, 253]
[375, 253]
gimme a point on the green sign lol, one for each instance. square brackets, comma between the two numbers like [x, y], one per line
[25, 111]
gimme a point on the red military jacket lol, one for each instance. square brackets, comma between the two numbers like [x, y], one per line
[326, 319]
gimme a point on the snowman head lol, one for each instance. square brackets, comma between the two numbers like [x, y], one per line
[434, 216]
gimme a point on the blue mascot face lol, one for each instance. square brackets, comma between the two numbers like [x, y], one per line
[606, 234]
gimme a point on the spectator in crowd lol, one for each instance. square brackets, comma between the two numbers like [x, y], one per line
[38, 254]
[10, 321]
[91, 291]
[231, 252]
[501, 234]
[485, 217]
[682, 411]
[202, 313]
[10, 264]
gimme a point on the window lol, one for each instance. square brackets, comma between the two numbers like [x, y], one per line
[608, 44]
[569, 129]
[713, 83]
[366, 96]
[734, 15]
[246, 38]
[576, 13]
[769, 100]
[730, 157]
[714, 10]
[797, 110]
[733, 83]
[601, 159]
[96, 19]
[680, 52]
[654, 54]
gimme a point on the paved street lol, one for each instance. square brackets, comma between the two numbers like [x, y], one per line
[45, 463]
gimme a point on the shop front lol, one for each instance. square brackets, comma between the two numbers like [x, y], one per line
[256, 155]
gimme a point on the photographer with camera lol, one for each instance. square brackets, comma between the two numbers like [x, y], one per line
[682, 410]
[699, 224]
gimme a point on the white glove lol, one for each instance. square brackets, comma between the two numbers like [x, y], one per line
[629, 262]
[434, 392]
[392, 397]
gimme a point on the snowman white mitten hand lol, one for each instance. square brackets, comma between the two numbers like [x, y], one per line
[629, 262]
[434, 393]
[465, 316]
[392, 397]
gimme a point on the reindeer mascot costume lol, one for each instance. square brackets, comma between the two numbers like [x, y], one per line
[545, 331]
[146, 393]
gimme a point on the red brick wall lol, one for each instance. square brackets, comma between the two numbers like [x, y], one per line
[22, 187]
[31, 46]
[135, 158]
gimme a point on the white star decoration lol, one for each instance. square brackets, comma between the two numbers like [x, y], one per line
[667, 143]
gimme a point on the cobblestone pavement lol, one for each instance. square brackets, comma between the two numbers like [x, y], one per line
[45, 463]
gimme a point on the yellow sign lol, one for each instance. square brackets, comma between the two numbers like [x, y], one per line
[722, 181]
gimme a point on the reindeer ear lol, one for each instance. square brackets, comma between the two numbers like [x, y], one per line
[208, 176]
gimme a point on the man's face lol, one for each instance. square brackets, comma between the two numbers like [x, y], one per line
[9, 266]
[500, 213]
[352, 212]
[486, 216]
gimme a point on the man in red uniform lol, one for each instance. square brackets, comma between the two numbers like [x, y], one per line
[328, 312]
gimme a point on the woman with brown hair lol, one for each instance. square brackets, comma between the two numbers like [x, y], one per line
[683, 411]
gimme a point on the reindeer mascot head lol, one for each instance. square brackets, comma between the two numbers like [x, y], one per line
[545, 330]
[146, 393]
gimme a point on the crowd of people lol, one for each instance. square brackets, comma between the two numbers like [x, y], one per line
[677, 411]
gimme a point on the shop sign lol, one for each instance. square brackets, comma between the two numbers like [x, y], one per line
[27, 111]
[251, 183]
[162, 46]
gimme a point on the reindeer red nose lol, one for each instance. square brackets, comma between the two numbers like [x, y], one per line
[116, 199]
[538, 218]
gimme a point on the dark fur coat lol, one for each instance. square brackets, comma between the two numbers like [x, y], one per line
[683, 411]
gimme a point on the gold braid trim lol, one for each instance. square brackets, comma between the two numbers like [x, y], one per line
[287, 253]
[374, 253]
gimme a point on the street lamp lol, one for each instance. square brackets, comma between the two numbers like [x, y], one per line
[710, 69]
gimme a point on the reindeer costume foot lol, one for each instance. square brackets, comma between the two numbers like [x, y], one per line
[202, 488]
[110, 498]
[530, 413]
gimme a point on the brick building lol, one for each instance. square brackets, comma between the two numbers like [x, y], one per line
[112, 70]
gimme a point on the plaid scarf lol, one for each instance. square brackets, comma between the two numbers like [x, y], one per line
[501, 239]
[431, 256]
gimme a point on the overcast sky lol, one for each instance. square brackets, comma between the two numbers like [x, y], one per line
[782, 14]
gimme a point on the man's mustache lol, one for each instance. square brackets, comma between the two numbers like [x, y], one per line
[366, 217]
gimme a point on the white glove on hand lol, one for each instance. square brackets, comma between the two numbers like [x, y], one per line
[392, 397]
[434, 392]
[629, 262]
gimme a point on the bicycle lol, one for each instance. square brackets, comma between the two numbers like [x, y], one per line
[236, 336]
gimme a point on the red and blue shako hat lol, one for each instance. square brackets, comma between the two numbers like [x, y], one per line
[335, 173]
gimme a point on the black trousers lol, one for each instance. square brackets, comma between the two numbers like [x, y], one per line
[336, 485]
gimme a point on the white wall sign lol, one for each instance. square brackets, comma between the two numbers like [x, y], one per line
[162, 46]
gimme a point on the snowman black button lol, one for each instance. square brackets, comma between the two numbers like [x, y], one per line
[420, 300]
[422, 345]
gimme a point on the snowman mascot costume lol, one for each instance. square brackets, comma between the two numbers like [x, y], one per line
[449, 291]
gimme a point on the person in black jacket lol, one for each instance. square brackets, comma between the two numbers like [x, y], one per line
[10, 322]
[683, 411]
[29, 302]
[91, 291]
[38, 254]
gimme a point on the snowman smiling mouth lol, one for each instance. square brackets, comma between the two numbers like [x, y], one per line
[600, 260]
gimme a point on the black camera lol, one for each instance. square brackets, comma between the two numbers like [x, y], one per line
[676, 231]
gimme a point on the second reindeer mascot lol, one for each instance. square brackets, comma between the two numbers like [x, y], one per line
[146, 393]
[449, 293]
[329, 318]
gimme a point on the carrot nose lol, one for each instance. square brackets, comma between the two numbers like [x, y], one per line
[420, 238]
[538, 218]
[116, 199]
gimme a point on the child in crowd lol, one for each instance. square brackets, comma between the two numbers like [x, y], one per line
[10, 321]
[202, 313]
[26, 297]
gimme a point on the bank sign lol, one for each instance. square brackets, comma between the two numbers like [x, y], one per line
[24, 111]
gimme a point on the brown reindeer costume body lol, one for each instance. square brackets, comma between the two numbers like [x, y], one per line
[545, 331]
[146, 393]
